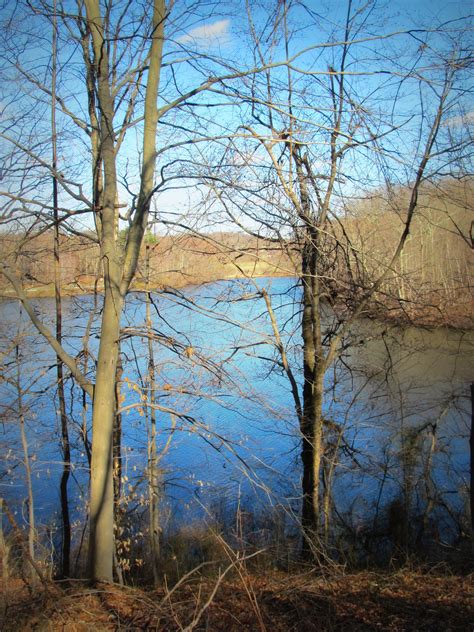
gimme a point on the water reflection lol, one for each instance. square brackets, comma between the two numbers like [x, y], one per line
[396, 407]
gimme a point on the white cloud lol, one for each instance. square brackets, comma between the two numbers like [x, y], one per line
[458, 121]
[208, 34]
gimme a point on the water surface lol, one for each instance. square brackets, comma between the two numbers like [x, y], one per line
[234, 435]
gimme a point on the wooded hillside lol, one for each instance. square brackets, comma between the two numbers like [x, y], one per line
[432, 281]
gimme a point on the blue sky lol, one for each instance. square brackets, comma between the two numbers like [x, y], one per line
[222, 34]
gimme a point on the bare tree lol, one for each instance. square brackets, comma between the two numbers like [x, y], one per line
[112, 124]
[319, 136]
[120, 53]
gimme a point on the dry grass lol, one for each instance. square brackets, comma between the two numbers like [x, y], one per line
[406, 600]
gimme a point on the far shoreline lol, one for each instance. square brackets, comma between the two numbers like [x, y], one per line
[458, 320]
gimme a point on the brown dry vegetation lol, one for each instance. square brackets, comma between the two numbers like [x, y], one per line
[431, 285]
[174, 261]
[403, 600]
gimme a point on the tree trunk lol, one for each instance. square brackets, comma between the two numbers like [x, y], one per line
[471, 441]
[101, 543]
[26, 457]
[101, 537]
[153, 472]
[311, 457]
[66, 450]
[3, 548]
[117, 464]
[117, 446]
[119, 266]
[65, 445]
[312, 420]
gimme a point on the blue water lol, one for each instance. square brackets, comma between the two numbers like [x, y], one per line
[234, 435]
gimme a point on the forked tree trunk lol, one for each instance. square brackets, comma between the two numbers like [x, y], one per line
[101, 536]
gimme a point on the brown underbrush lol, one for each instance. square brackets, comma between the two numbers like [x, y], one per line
[454, 314]
[234, 598]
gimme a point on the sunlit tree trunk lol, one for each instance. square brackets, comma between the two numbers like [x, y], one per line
[101, 543]
[118, 271]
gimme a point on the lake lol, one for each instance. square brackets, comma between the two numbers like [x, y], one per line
[234, 435]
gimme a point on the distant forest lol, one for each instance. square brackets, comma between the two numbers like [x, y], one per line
[432, 281]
